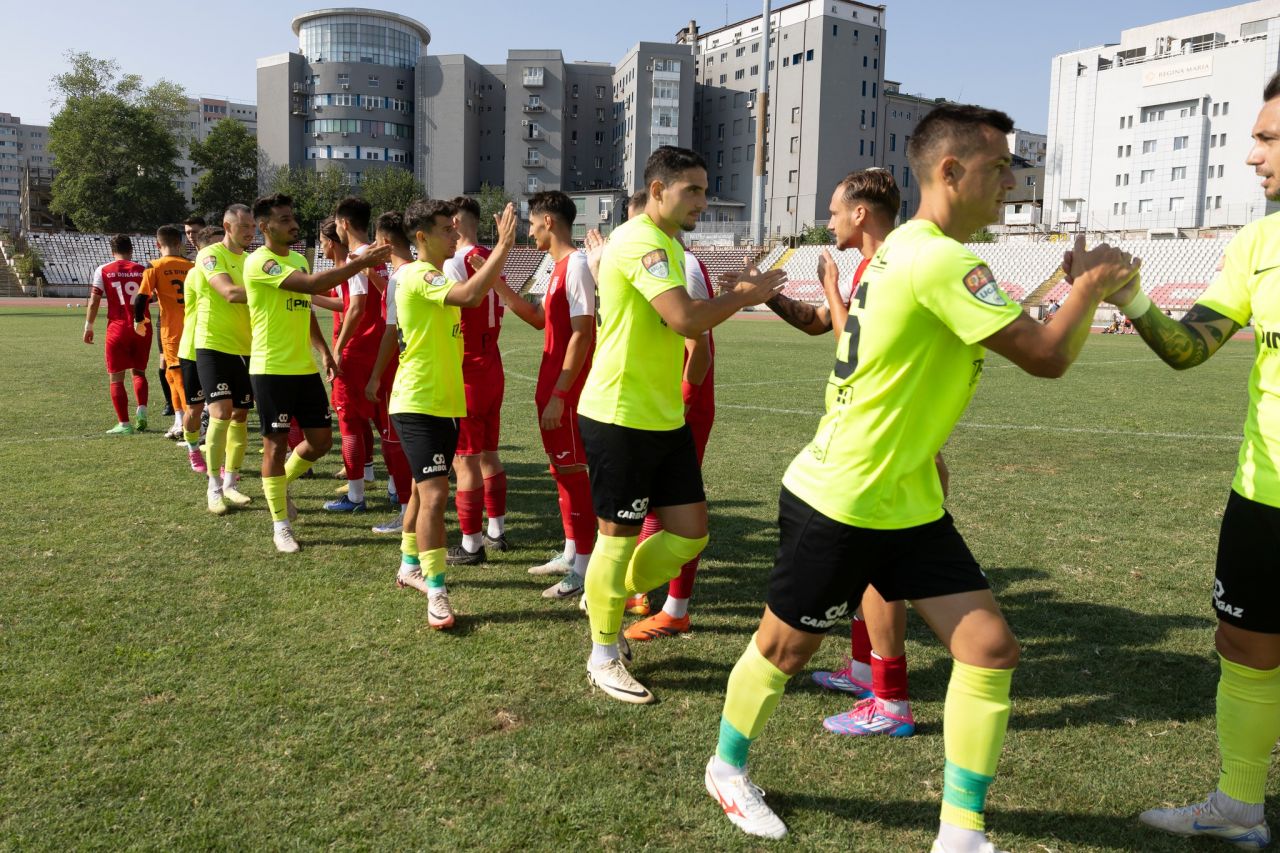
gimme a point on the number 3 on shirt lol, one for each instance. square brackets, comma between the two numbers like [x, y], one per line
[853, 329]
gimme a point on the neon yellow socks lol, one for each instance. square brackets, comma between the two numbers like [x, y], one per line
[973, 725]
[192, 439]
[237, 441]
[605, 587]
[755, 688]
[1248, 727]
[409, 549]
[433, 567]
[276, 490]
[215, 439]
[295, 466]
[658, 559]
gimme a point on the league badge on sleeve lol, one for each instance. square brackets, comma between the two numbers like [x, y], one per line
[271, 267]
[982, 284]
[210, 263]
[656, 264]
[437, 279]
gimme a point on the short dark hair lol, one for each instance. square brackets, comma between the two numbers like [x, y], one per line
[329, 229]
[169, 235]
[391, 226]
[235, 210]
[467, 204]
[1272, 89]
[875, 188]
[668, 162]
[951, 129]
[209, 235]
[355, 210]
[556, 203]
[195, 220]
[421, 214]
[638, 199]
[263, 205]
[122, 245]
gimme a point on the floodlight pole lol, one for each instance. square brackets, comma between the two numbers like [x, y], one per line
[762, 114]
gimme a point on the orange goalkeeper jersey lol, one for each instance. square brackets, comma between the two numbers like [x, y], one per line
[163, 282]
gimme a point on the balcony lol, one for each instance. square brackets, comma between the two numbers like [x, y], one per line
[534, 107]
[534, 77]
[534, 162]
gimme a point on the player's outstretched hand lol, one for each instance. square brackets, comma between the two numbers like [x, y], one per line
[758, 287]
[1103, 269]
[595, 244]
[379, 254]
[827, 269]
[506, 222]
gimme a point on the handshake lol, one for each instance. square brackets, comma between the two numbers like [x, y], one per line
[1105, 272]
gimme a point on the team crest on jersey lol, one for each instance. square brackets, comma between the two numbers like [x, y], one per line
[982, 284]
[210, 263]
[656, 263]
[436, 279]
[271, 267]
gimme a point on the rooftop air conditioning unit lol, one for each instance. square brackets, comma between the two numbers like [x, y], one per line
[344, 134]
[316, 135]
[345, 85]
[524, 122]
[604, 215]
[368, 106]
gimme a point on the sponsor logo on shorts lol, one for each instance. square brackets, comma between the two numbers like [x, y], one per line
[271, 267]
[437, 465]
[832, 616]
[639, 509]
[1218, 594]
[656, 263]
[982, 284]
[224, 388]
[200, 394]
[282, 421]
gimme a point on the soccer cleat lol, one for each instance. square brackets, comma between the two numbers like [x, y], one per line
[290, 508]
[494, 543]
[657, 626]
[411, 577]
[395, 525]
[557, 565]
[196, 458]
[140, 421]
[986, 847]
[168, 411]
[217, 505]
[121, 429]
[638, 605]
[871, 717]
[1203, 819]
[343, 489]
[284, 540]
[843, 681]
[569, 586]
[744, 805]
[439, 610]
[459, 556]
[174, 433]
[235, 497]
[612, 678]
[345, 504]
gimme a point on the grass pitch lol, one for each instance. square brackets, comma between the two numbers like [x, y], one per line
[168, 681]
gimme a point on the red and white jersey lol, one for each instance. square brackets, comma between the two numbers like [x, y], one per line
[118, 282]
[368, 333]
[846, 291]
[698, 284]
[571, 293]
[481, 324]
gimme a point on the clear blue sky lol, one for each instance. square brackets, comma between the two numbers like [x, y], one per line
[992, 52]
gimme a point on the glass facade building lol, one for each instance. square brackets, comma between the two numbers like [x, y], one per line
[347, 35]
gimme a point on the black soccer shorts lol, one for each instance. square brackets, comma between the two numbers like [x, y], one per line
[429, 441]
[287, 399]
[191, 382]
[224, 376]
[1246, 583]
[635, 470]
[823, 565]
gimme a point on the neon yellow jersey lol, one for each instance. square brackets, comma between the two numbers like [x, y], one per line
[639, 360]
[281, 319]
[429, 376]
[192, 287]
[907, 365]
[222, 325]
[1249, 287]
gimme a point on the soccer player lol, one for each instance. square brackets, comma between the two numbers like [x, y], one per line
[193, 287]
[389, 231]
[482, 481]
[191, 228]
[698, 392]
[567, 317]
[862, 503]
[355, 351]
[286, 383]
[427, 398]
[640, 452]
[223, 341]
[164, 281]
[118, 281]
[1244, 588]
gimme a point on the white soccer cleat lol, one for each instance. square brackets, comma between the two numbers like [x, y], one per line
[411, 576]
[217, 505]
[987, 847]
[235, 497]
[744, 805]
[439, 609]
[1203, 819]
[557, 566]
[612, 677]
[284, 540]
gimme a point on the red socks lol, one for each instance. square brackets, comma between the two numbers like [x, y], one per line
[120, 401]
[295, 434]
[366, 436]
[682, 585]
[353, 456]
[495, 495]
[576, 510]
[566, 504]
[139, 390]
[889, 678]
[861, 651]
[398, 469]
[651, 526]
[470, 506]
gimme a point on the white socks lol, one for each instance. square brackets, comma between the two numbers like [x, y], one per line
[570, 550]
[1243, 814]
[676, 608]
[368, 472]
[281, 525]
[230, 480]
[215, 484]
[957, 840]
[355, 489]
[497, 526]
[471, 542]
[860, 671]
[580, 562]
[601, 654]
[723, 770]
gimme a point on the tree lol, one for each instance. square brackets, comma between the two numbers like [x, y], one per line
[815, 235]
[389, 188]
[229, 156]
[315, 193]
[117, 146]
[492, 200]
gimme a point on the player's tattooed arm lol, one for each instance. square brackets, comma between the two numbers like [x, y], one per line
[802, 315]
[1187, 342]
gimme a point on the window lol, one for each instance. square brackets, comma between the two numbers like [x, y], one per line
[1215, 108]
[786, 60]
[719, 159]
[1144, 205]
[808, 55]
[724, 78]
[1147, 176]
[835, 30]
[906, 177]
[740, 51]
[1226, 105]
[795, 59]
[599, 137]
[795, 114]
[733, 182]
[1175, 204]
[1149, 146]
[1179, 143]
[1179, 173]
[864, 88]
[795, 144]
[599, 93]
[720, 131]
[1222, 139]
[893, 142]
[862, 147]
[373, 81]
[719, 183]
[793, 176]
[737, 154]
[1213, 141]
[739, 74]
[755, 70]
[737, 126]
[1117, 180]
